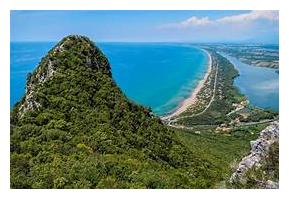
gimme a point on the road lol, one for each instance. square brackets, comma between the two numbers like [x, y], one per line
[170, 121]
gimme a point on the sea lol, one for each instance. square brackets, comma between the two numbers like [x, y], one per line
[155, 75]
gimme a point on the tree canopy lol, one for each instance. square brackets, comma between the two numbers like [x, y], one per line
[75, 128]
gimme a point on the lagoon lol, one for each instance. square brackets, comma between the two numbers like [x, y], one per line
[259, 84]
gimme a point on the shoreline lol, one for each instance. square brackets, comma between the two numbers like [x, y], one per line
[185, 104]
[239, 66]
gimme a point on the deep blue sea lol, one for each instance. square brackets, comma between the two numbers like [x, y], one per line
[259, 84]
[156, 75]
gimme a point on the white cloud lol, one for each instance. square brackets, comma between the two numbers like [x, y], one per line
[195, 21]
[246, 18]
[251, 16]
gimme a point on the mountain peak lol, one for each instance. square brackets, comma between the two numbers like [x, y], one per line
[72, 53]
[83, 47]
[74, 128]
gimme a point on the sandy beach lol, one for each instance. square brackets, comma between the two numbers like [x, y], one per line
[184, 105]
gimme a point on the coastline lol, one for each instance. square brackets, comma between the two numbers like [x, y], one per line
[245, 88]
[192, 99]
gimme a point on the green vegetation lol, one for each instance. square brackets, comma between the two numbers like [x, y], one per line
[256, 114]
[256, 55]
[225, 95]
[84, 133]
[221, 150]
[74, 128]
[222, 123]
[223, 99]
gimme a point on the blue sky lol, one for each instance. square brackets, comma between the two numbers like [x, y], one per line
[147, 26]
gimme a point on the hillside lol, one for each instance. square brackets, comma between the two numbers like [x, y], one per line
[74, 128]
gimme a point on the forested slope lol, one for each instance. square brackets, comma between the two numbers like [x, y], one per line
[74, 128]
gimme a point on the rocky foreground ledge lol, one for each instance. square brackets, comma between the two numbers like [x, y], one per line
[259, 151]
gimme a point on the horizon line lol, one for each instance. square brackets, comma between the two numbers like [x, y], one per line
[117, 41]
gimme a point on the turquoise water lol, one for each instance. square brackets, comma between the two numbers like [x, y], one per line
[156, 75]
[23, 59]
[259, 84]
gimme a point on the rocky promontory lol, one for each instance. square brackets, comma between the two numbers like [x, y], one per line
[259, 151]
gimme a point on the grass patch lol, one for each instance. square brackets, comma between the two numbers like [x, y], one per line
[221, 150]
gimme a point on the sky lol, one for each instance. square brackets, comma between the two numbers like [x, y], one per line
[148, 26]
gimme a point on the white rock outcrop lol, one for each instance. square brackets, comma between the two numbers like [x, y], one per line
[259, 150]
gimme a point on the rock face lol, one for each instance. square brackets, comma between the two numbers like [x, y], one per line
[48, 65]
[259, 150]
[41, 76]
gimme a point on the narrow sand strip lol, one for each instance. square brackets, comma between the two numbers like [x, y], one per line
[184, 105]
